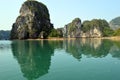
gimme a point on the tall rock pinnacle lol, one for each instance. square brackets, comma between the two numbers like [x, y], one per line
[33, 21]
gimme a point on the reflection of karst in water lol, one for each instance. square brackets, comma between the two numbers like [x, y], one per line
[115, 50]
[33, 57]
[89, 47]
[73, 48]
[96, 48]
[95, 43]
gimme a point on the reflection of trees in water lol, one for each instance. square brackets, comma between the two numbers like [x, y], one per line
[56, 44]
[100, 51]
[33, 56]
[73, 48]
[115, 49]
[89, 47]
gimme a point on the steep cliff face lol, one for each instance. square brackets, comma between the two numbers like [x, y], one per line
[72, 29]
[76, 29]
[92, 33]
[33, 22]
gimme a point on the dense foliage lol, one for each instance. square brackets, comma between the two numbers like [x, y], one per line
[86, 26]
[117, 32]
[73, 25]
[53, 33]
[56, 33]
[98, 23]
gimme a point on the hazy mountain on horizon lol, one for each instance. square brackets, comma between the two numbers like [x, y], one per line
[4, 34]
[115, 23]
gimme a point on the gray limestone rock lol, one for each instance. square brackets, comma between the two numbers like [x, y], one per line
[33, 22]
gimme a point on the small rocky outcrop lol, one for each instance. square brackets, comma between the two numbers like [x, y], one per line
[72, 29]
[33, 22]
[76, 29]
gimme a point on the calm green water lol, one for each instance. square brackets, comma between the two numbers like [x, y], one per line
[83, 59]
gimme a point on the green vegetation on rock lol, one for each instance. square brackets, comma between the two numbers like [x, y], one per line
[53, 33]
[102, 25]
[117, 32]
[86, 26]
[33, 22]
[73, 24]
[93, 28]
[56, 33]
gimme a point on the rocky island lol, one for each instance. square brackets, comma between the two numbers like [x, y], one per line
[89, 29]
[33, 21]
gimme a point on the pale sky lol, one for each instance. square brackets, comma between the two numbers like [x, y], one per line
[62, 11]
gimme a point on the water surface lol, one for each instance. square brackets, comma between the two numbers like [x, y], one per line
[80, 59]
